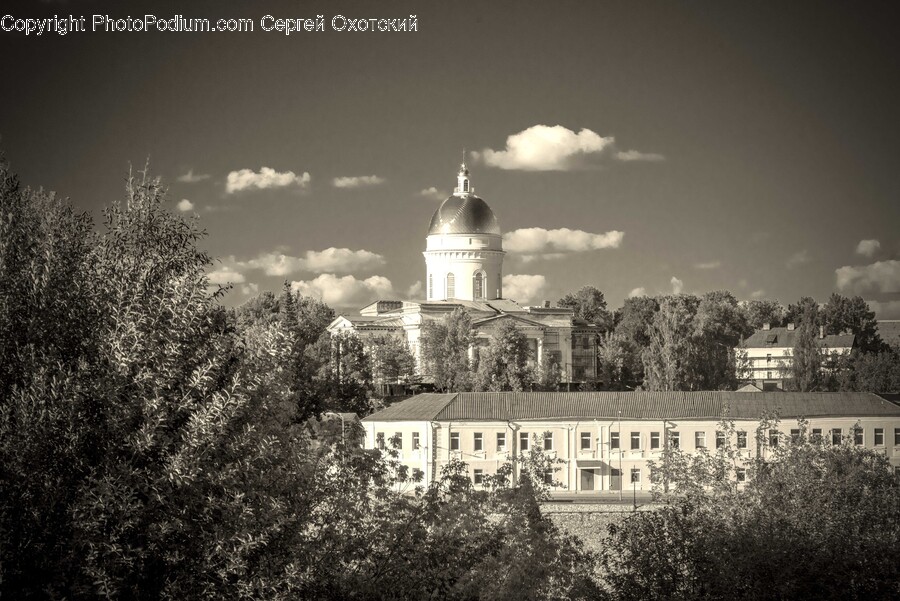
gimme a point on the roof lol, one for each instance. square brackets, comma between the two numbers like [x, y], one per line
[522, 406]
[464, 214]
[785, 338]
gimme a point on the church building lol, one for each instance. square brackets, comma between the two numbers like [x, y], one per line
[464, 268]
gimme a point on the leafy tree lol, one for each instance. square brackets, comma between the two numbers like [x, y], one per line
[347, 374]
[719, 327]
[667, 357]
[804, 309]
[590, 306]
[392, 361]
[549, 374]
[503, 363]
[811, 522]
[633, 327]
[445, 350]
[841, 314]
[612, 355]
[806, 362]
[868, 372]
[761, 312]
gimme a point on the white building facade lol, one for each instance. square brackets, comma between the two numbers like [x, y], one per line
[605, 440]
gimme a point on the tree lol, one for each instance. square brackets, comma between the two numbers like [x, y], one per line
[445, 350]
[810, 523]
[549, 374]
[612, 354]
[667, 358]
[841, 314]
[392, 361]
[761, 312]
[590, 306]
[719, 327]
[633, 327]
[503, 363]
[805, 308]
[806, 361]
[347, 375]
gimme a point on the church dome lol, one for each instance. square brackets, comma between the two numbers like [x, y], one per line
[464, 214]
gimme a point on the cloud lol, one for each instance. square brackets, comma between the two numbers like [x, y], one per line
[677, 285]
[185, 205]
[639, 291]
[523, 288]
[246, 179]
[339, 260]
[192, 178]
[358, 181]
[345, 291]
[414, 291]
[708, 265]
[248, 289]
[797, 259]
[881, 276]
[433, 193]
[868, 248]
[225, 275]
[634, 155]
[551, 243]
[545, 148]
[758, 293]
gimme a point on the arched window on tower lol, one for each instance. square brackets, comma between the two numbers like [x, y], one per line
[478, 285]
[465, 185]
[451, 286]
[430, 286]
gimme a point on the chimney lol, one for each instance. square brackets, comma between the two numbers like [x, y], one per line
[821, 331]
[546, 304]
[791, 327]
[766, 326]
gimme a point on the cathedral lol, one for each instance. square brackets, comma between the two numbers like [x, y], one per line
[464, 268]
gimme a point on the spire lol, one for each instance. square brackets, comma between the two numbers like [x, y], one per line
[463, 183]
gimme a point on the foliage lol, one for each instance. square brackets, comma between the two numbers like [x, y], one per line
[805, 309]
[841, 314]
[590, 307]
[347, 374]
[612, 356]
[445, 351]
[549, 374]
[806, 362]
[762, 311]
[503, 362]
[392, 361]
[812, 522]
[666, 359]
[633, 327]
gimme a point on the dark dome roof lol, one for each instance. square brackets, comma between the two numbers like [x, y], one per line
[464, 215]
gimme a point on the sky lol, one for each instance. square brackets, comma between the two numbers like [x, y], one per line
[639, 147]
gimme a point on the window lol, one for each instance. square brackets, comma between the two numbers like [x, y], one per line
[501, 442]
[879, 437]
[768, 375]
[479, 476]
[896, 436]
[451, 286]
[614, 440]
[773, 437]
[817, 434]
[720, 439]
[430, 286]
[654, 440]
[635, 441]
[416, 444]
[478, 443]
[700, 440]
[523, 441]
[585, 441]
[548, 441]
[397, 440]
[635, 475]
[740, 474]
[674, 440]
[835, 436]
[742, 439]
[795, 434]
[768, 359]
[857, 436]
[548, 476]
[465, 185]
[380, 440]
[478, 286]
[454, 441]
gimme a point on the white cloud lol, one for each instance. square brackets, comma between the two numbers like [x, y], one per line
[885, 309]
[522, 287]
[357, 181]
[433, 193]
[225, 275]
[708, 265]
[868, 248]
[345, 291]
[545, 148]
[758, 293]
[639, 291]
[251, 288]
[634, 155]
[677, 285]
[536, 240]
[881, 276]
[797, 259]
[340, 260]
[247, 179]
[185, 205]
[192, 178]
[415, 291]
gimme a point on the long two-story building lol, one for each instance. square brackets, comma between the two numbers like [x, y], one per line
[606, 439]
